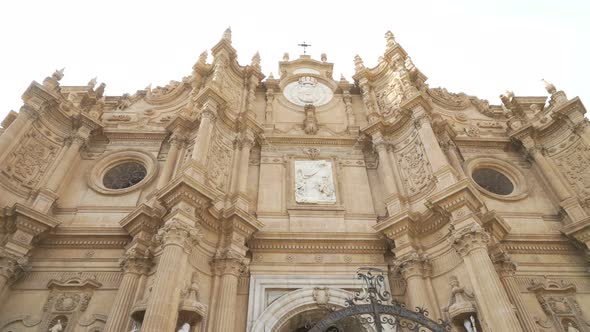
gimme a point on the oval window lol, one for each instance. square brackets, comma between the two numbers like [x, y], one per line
[493, 181]
[124, 175]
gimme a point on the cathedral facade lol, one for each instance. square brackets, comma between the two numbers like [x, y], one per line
[231, 201]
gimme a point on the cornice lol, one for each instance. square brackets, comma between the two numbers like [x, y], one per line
[308, 140]
[115, 135]
[538, 244]
[318, 242]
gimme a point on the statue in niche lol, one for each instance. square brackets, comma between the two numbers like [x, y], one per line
[135, 327]
[310, 124]
[313, 182]
[57, 327]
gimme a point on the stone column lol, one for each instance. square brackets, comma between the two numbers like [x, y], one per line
[496, 309]
[76, 142]
[177, 237]
[412, 268]
[558, 187]
[436, 157]
[208, 117]
[229, 270]
[17, 128]
[134, 266]
[176, 141]
[506, 270]
[385, 171]
[245, 144]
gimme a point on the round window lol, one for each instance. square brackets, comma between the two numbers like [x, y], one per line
[493, 181]
[124, 175]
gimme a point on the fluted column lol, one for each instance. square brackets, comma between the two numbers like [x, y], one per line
[177, 238]
[436, 157]
[203, 138]
[506, 269]
[558, 187]
[384, 170]
[412, 268]
[245, 144]
[134, 266]
[229, 271]
[176, 141]
[17, 128]
[496, 309]
[76, 142]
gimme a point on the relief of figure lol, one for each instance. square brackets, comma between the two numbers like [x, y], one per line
[313, 182]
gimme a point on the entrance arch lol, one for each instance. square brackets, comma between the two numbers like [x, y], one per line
[296, 302]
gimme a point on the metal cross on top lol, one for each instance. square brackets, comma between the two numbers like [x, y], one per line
[304, 45]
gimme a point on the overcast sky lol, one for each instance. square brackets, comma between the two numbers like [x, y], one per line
[464, 45]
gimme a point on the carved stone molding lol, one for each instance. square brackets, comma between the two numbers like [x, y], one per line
[177, 232]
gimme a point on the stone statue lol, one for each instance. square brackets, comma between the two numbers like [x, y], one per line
[549, 87]
[57, 327]
[469, 324]
[310, 124]
[185, 328]
[285, 56]
[324, 57]
[571, 328]
[100, 90]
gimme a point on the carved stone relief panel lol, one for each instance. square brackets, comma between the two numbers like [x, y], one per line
[314, 182]
[574, 163]
[28, 162]
[413, 165]
[232, 90]
[219, 161]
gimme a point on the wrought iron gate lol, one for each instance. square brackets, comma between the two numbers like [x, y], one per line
[373, 305]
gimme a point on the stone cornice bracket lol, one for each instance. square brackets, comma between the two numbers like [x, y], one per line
[21, 226]
[579, 231]
[468, 238]
[459, 202]
[142, 224]
[495, 225]
[180, 125]
[400, 229]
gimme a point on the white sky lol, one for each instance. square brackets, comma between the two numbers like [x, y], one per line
[464, 45]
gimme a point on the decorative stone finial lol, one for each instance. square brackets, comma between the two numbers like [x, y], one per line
[549, 87]
[285, 56]
[342, 78]
[92, 83]
[58, 74]
[506, 98]
[358, 63]
[270, 76]
[390, 40]
[203, 57]
[256, 61]
[324, 57]
[227, 34]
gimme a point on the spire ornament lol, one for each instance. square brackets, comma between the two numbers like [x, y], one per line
[227, 34]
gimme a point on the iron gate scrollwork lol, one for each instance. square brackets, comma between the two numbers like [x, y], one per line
[373, 305]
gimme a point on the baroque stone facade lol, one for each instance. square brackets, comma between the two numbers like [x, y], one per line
[230, 201]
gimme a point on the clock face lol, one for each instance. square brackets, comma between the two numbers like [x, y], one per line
[308, 91]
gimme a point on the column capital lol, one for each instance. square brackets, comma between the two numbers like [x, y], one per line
[11, 266]
[413, 264]
[228, 262]
[209, 110]
[179, 233]
[504, 264]
[136, 262]
[468, 239]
